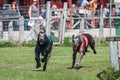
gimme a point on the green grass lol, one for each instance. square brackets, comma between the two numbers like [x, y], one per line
[18, 64]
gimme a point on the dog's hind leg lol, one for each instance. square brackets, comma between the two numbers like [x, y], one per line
[92, 45]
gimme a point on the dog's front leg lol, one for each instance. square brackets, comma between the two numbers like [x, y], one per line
[74, 58]
[80, 58]
[82, 53]
[37, 58]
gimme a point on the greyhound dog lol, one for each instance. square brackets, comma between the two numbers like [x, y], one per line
[80, 44]
[43, 46]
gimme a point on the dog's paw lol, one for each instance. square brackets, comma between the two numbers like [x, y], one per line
[42, 60]
[38, 66]
[95, 52]
[44, 68]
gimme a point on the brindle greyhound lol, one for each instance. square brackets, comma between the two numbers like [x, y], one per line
[80, 44]
[43, 46]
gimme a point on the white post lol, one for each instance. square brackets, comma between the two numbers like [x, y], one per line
[60, 28]
[118, 51]
[82, 26]
[21, 28]
[48, 17]
[64, 21]
[101, 23]
[114, 55]
[1, 30]
[10, 29]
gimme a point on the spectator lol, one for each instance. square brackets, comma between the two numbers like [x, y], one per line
[83, 3]
[14, 5]
[55, 14]
[33, 11]
[93, 5]
[118, 11]
[113, 11]
[106, 14]
[106, 10]
[54, 17]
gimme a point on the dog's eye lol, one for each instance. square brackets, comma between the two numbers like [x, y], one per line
[76, 39]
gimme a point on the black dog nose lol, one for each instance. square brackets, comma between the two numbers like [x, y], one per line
[41, 39]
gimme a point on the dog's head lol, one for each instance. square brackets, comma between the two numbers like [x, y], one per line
[42, 36]
[76, 41]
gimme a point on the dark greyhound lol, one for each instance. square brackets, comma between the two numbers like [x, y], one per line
[43, 46]
[80, 44]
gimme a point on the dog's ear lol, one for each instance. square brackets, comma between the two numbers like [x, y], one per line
[73, 38]
[38, 37]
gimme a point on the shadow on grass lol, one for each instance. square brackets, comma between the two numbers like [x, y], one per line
[37, 70]
[77, 68]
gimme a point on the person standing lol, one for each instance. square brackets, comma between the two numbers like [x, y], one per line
[106, 14]
[33, 13]
[93, 6]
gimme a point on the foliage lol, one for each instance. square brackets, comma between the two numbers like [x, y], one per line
[101, 42]
[31, 43]
[110, 74]
[55, 39]
[8, 44]
[67, 42]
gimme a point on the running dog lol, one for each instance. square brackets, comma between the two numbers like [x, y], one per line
[43, 47]
[80, 44]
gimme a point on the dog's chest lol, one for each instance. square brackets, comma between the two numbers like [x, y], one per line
[41, 48]
[84, 43]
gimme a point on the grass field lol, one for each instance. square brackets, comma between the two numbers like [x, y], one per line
[18, 64]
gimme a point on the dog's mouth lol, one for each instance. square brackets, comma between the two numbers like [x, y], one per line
[75, 47]
[41, 42]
